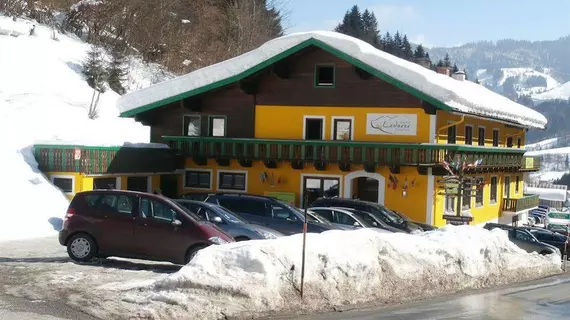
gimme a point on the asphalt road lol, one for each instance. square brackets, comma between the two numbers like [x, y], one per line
[13, 308]
[544, 299]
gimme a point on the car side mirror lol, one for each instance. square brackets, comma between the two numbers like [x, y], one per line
[375, 224]
[356, 224]
[217, 219]
[292, 220]
[176, 223]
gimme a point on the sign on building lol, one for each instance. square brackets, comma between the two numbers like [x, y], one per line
[392, 124]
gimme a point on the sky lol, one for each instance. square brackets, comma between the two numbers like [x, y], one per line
[442, 22]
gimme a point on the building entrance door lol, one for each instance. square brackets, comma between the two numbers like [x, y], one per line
[365, 189]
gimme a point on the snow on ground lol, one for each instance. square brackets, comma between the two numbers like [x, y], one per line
[44, 97]
[342, 268]
[561, 92]
[544, 144]
[557, 151]
[547, 176]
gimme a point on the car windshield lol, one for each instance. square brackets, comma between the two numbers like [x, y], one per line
[227, 215]
[315, 217]
[393, 216]
[188, 212]
[297, 212]
[368, 219]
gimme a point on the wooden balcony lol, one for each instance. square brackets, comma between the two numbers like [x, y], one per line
[345, 152]
[528, 201]
[105, 160]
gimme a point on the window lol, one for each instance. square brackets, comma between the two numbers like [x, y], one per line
[468, 135]
[314, 128]
[523, 235]
[509, 142]
[112, 203]
[281, 212]
[232, 181]
[507, 188]
[519, 142]
[326, 213]
[466, 199]
[137, 184]
[246, 206]
[104, 183]
[324, 76]
[316, 187]
[452, 134]
[517, 182]
[65, 184]
[217, 126]
[495, 137]
[342, 129]
[153, 209]
[343, 218]
[198, 179]
[479, 188]
[493, 190]
[481, 136]
[192, 125]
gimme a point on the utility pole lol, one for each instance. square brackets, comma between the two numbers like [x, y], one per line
[459, 192]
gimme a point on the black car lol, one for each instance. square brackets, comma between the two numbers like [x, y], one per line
[524, 239]
[550, 237]
[267, 211]
[390, 217]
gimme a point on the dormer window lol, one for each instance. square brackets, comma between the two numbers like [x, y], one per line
[324, 76]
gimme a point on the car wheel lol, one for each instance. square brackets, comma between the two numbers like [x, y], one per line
[192, 252]
[81, 247]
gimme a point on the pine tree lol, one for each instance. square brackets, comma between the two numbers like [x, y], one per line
[440, 63]
[465, 71]
[398, 46]
[419, 52]
[351, 23]
[477, 81]
[447, 61]
[117, 69]
[388, 43]
[407, 49]
[455, 68]
[371, 34]
[96, 76]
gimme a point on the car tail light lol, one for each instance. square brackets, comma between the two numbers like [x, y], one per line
[70, 213]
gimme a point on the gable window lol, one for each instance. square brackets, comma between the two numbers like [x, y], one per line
[63, 183]
[217, 126]
[509, 142]
[468, 135]
[495, 137]
[517, 182]
[452, 135]
[479, 188]
[232, 181]
[192, 125]
[198, 179]
[324, 76]
[342, 129]
[493, 196]
[481, 137]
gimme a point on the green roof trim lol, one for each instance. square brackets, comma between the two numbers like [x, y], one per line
[83, 147]
[310, 42]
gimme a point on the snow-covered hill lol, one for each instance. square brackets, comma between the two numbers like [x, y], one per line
[561, 92]
[523, 81]
[44, 97]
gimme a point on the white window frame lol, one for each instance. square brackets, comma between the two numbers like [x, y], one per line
[333, 119]
[498, 137]
[305, 118]
[64, 176]
[231, 171]
[465, 134]
[483, 198]
[316, 175]
[491, 190]
[211, 171]
[484, 135]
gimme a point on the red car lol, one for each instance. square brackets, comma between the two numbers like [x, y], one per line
[139, 225]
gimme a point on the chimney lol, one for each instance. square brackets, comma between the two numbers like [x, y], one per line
[459, 76]
[424, 62]
[443, 70]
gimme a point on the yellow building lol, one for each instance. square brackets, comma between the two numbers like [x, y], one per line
[322, 114]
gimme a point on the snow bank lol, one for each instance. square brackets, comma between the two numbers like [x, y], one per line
[44, 98]
[461, 96]
[342, 268]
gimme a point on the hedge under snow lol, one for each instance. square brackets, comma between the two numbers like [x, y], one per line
[342, 268]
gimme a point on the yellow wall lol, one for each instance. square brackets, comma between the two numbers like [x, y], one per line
[444, 118]
[285, 122]
[78, 184]
[414, 205]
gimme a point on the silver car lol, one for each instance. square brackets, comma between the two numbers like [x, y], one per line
[229, 221]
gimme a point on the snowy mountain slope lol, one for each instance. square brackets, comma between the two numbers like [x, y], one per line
[43, 96]
[522, 81]
[561, 92]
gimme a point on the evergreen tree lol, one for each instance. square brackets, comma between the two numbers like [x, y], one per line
[455, 68]
[117, 69]
[465, 71]
[371, 34]
[351, 23]
[407, 49]
[419, 52]
[398, 46]
[447, 61]
[388, 43]
[440, 63]
[94, 69]
[477, 81]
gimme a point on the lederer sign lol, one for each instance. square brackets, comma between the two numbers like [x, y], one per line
[392, 124]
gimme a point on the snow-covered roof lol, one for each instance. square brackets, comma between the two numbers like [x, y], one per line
[442, 91]
[549, 194]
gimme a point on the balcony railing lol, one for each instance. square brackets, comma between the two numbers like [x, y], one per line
[516, 205]
[352, 152]
[100, 160]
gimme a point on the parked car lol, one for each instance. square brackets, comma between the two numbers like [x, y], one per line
[389, 217]
[524, 239]
[132, 224]
[353, 218]
[229, 222]
[196, 196]
[550, 237]
[267, 211]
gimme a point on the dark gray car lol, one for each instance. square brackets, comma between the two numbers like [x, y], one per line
[229, 222]
[524, 239]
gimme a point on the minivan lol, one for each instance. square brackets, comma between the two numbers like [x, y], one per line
[131, 224]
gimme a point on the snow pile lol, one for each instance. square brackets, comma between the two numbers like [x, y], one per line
[461, 96]
[44, 97]
[342, 268]
[561, 92]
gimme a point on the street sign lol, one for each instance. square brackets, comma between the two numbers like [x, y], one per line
[457, 220]
[559, 215]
